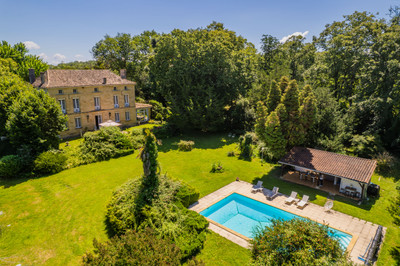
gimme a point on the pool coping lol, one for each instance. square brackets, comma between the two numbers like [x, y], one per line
[362, 231]
[349, 248]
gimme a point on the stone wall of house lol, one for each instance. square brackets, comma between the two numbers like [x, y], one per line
[87, 111]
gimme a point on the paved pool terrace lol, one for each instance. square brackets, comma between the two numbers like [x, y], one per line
[362, 231]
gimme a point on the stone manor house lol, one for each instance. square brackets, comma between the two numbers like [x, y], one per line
[90, 97]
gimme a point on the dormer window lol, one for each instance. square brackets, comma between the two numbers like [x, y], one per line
[60, 91]
[96, 89]
[126, 88]
[75, 91]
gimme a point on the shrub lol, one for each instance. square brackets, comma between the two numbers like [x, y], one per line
[137, 138]
[384, 162]
[106, 143]
[166, 215]
[296, 242]
[187, 194]
[245, 146]
[165, 131]
[134, 248]
[185, 145]
[50, 162]
[217, 168]
[231, 154]
[10, 166]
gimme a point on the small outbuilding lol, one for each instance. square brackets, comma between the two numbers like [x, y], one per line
[340, 173]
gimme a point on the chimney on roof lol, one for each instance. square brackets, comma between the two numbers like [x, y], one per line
[104, 80]
[32, 75]
[42, 79]
[122, 73]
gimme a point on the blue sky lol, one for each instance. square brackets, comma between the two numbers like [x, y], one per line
[67, 30]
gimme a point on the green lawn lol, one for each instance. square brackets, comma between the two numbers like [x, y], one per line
[54, 219]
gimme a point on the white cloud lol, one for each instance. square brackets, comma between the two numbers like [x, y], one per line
[31, 45]
[304, 34]
[43, 56]
[78, 57]
[58, 58]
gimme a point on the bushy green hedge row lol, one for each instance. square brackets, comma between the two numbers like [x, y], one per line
[167, 215]
[106, 143]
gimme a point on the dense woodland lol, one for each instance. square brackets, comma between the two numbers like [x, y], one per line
[213, 79]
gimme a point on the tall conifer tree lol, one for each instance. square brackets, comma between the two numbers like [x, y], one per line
[274, 97]
[273, 137]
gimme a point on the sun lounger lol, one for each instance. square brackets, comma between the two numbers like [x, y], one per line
[303, 202]
[273, 193]
[328, 205]
[291, 198]
[257, 187]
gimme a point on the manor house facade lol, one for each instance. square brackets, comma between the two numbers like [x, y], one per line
[90, 97]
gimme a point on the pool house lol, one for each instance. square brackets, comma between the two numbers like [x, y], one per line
[331, 172]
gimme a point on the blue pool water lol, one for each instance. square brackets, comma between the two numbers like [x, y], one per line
[243, 215]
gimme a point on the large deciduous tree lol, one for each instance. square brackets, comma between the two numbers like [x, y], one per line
[129, 52]
[201, 72]
[35, 120]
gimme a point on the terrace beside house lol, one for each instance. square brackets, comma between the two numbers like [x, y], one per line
[332, 172]
[91, 97]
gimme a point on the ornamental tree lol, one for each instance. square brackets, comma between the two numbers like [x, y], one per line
[149, 155]
[297, 242]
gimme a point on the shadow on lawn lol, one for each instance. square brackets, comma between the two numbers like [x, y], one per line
[6, 183]
[395, 253]
[272, 179]
[201, 141]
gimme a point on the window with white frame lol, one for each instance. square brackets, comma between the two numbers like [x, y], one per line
[78, 122]
[97, 103]
[117, 117]
[127, 116]
[116, 105]
[126, 100]
[75, 102]
[63, 106]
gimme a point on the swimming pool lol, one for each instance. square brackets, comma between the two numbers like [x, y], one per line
[242, 214]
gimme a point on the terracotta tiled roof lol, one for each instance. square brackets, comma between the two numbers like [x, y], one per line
[143, 105]
[59, 78]
[330, 163]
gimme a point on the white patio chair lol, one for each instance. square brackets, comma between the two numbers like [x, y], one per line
[328, 205]
[291, 198]
[273, 193]
[303, 202]
[257, 187]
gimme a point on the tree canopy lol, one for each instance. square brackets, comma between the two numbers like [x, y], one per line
[200, 73]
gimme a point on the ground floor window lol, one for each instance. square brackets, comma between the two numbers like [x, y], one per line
[127, 116]
[78, 122]
[116, 117]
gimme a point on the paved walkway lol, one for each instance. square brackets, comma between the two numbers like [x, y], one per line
[361, 230]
